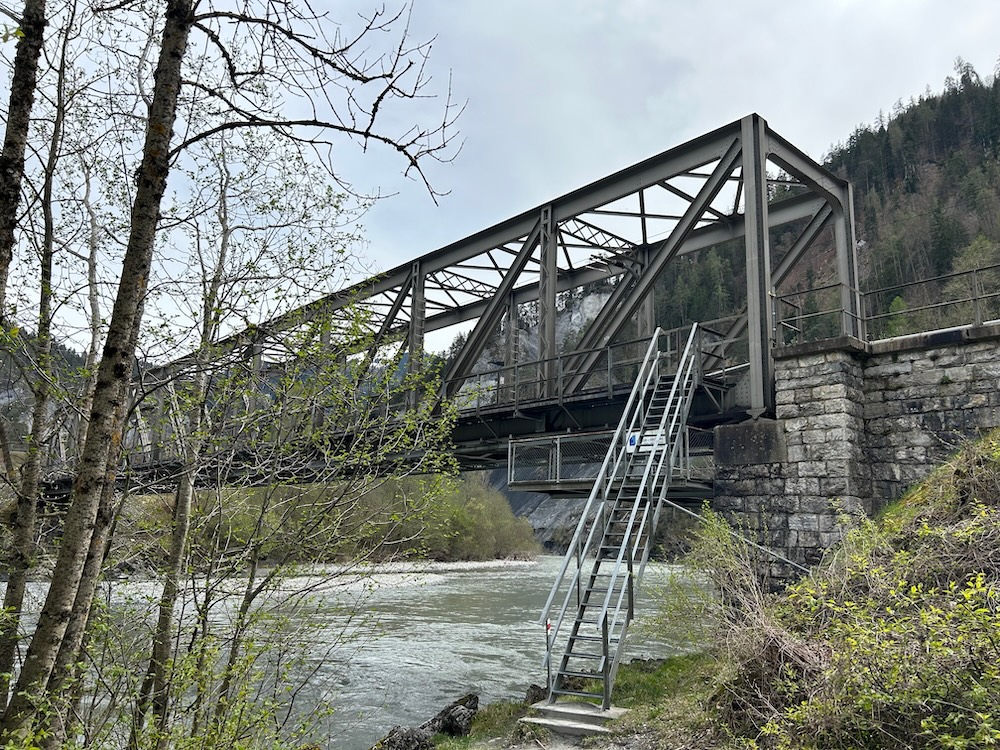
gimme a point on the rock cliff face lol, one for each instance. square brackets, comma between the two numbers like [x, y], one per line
[553, 519]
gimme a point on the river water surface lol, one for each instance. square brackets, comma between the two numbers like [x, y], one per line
[447, 631]
[398, 644]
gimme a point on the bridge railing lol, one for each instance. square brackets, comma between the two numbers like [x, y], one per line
[969, 297]
[571, 459]
[552, 380]
[962, 298]
[557, 459]
[812, 314]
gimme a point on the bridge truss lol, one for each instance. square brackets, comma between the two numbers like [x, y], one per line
[505, 284]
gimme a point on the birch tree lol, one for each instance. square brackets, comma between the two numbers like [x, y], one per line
[24, 76]
[256, 49]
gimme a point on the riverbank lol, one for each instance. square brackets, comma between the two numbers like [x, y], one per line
[893, 642]
[658, 694]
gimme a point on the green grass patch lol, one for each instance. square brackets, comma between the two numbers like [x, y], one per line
[642, 683]
[496, 720]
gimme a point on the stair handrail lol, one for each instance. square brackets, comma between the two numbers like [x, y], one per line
[687, 364]
[683, 389]
[602, 485]
[681, 394]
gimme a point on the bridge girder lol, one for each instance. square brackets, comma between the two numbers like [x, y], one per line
[626, 229]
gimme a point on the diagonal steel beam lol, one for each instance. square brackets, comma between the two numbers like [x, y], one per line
[480, 335]
[819, 222]
[627, 297]
[390, 316]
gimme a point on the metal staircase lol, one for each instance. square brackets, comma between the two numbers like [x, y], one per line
[595, 589]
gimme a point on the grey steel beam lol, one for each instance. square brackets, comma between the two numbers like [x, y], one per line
[627, 297]
[415, 339]
[758, 265]
[692, 155]
[511, 324]
[646, 322]
[796, 162]
[547, 284]
[847, 265]
[397, 305]
[479, 337]
[803, 242]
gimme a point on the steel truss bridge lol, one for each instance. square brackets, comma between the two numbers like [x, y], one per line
[507, 287]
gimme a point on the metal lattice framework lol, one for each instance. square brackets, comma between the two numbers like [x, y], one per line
[628, 226]
[739, 182]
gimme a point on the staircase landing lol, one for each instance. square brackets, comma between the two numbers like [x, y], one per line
[573, 719]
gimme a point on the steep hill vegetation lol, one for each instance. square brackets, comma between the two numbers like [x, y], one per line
[468, 520]
[893, 643]
[927, 181]
[927, 204]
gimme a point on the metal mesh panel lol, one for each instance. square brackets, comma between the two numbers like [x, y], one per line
[558, 458]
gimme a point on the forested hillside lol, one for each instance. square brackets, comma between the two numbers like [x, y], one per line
[927, 182]
[927, 203]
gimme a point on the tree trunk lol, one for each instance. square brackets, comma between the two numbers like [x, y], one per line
[155, 693]
[104, 433]
[23, 544]
[22, 98]
[65, 682]
[40, 378]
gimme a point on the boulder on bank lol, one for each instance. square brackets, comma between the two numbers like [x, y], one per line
[455, 720]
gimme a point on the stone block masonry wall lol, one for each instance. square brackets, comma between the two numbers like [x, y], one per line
[922, 403]
[856, 424]
[793, 501]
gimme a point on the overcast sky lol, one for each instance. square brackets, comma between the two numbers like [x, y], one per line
[562, 92]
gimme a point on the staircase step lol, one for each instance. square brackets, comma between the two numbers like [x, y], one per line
[577, 693]
[584, 713]
[566, 726]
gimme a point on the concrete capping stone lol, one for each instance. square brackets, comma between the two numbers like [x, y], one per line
[822, 346]
[931, 339]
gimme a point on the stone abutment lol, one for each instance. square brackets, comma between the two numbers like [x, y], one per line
[855, 425]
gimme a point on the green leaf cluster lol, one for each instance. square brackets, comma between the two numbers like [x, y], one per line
[893, 642]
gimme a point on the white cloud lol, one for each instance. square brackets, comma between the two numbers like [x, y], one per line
[561, 93]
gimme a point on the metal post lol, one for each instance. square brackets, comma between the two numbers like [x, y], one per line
[977, 311]
[415, 337]
[578, 567]
[631, 591]
[646, 323]
[547, 278]
[758, 257]
[611, 375]
[548, 656]
[511, 347]
[606, 702]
